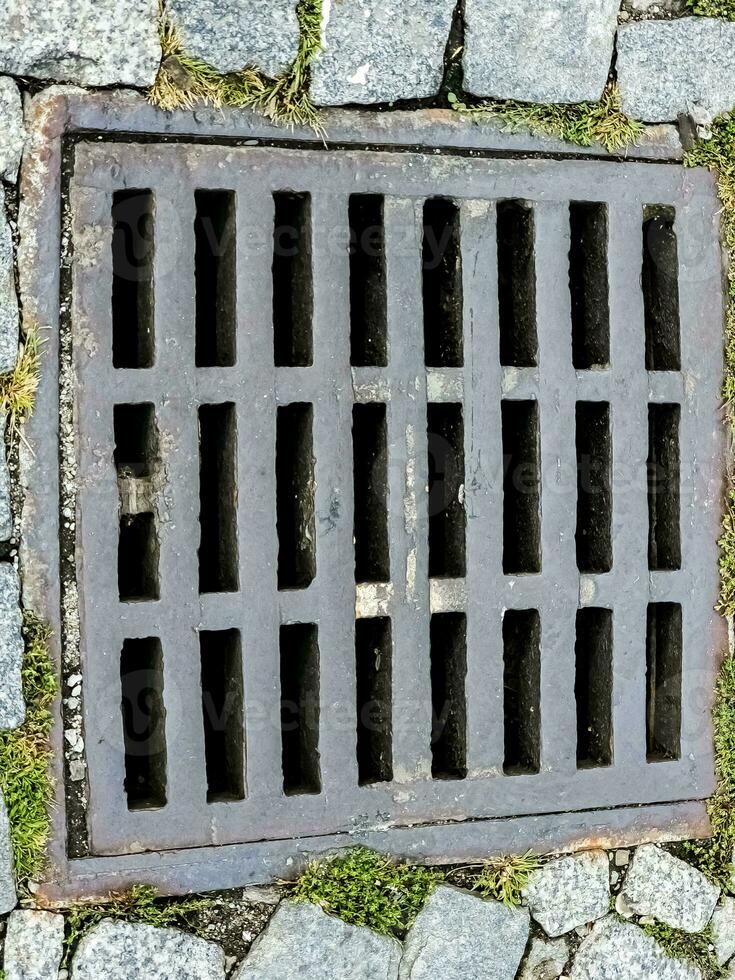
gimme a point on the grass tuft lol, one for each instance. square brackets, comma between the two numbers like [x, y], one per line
[367, 889]
[504, 879]
[141, 904]
[184, 81]
[25, 757]
[697, 948]
[584, 123]
[713, 8]
[18, 387]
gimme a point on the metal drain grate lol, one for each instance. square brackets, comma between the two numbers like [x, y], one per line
[398, 494]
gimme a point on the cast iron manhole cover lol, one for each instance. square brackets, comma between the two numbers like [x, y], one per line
[389, 493]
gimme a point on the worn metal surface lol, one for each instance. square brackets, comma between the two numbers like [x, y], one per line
[461, 815]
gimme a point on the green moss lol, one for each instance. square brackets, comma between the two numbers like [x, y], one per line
[366, 889]
[584, 123]
[713, 857]
[696, 948]
[141, 904]
[25, 757]
[184, 81]
[713, 8]
[504, 879]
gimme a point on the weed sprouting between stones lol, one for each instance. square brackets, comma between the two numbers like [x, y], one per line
[583, 124]
[504, 879]
[365, 888]
[713, 8]
[140, 905]
[25, 757]
[697, 948]
[184, 81]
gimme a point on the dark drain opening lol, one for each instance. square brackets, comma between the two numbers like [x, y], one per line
[594, 491]
[374, 662]
[295, 496]
[216, 282]
[517, 284]
[588, 283]
[136, 439]
[218, 571]
[521, 488]
[300, 708]
[370, 458]
[368, 296]
[663, 681]
[132, 279]
[522, 691]
[293, 291]
[593, 687]
[222, 713]
[447, 549]
[664, 538]
[442, 284]
[144, 718]
[137, 558]
[448, 641]
[660, 282]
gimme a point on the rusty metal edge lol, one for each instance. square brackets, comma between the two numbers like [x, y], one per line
[129, 113]
[236, 866]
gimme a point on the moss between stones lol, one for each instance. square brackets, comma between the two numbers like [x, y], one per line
[184, 81]
[366, 889]
[25, 757]
[698, 949]
[583, 124]
[141, 904]
[713, 8]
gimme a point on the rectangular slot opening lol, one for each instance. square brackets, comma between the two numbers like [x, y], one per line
[593, 687]
[218, 571]
[521, 488]
[216, 278]
[222, 714]
[594, 487]
[293, 292]
[370, 455]
[442, 284]
[664, 538]
[588, 285]
[448, 638]
[517, 284]
[445, 428]
[136, 439]
[295, 496]
[663, 681]
[137, 558]
[368, 298]
[144, 723]
[522, 691]
[300, 708]
[132, 279]
[374, 661]
[660, 282]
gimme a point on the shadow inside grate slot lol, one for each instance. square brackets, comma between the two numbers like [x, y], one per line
[295, 489]
[521, 488]
[660, 281]
[133, 302]
[442, 284]
[374, 663]
[368, 295]
[588, 284]
[664, 532]
[144, 723]
[593, 687]
[222, 714]
[370, 468]
[300, 708]
[448, 639]
[517, 284]
[664, 654]
[522, 690]
[594, 487]
[216, 279]
[447, 520]
[218, 497]
[293, 290]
